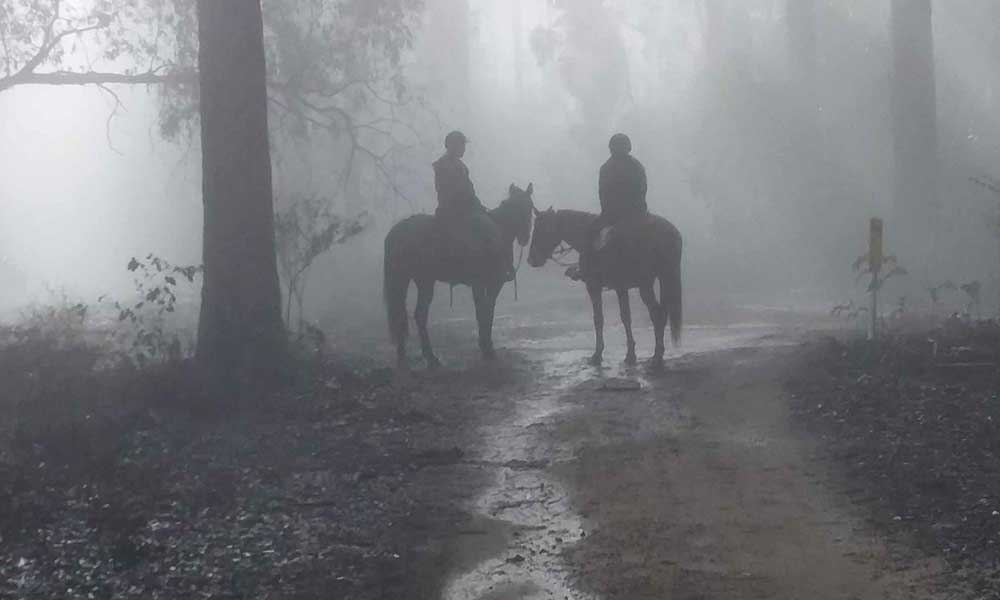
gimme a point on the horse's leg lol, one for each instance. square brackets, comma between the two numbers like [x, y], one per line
[597, 302]
[624, 306]
[486, 300]
[425, 294]
[658, 317]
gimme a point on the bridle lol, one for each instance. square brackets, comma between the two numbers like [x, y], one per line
[560, 251]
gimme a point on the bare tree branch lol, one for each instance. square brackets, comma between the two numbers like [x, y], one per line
[98, 78]
[114, 112]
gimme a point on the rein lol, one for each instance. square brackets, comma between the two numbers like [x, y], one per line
[520, 261]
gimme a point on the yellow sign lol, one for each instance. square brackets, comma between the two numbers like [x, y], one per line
[875, 245]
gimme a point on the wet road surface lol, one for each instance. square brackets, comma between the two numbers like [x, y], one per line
[684, 481]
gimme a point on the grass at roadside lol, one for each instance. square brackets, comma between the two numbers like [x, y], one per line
[914, 424]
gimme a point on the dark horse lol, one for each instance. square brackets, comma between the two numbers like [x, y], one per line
[649, 250]
[411, 254]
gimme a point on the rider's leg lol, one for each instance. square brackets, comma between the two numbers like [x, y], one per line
[588, 256]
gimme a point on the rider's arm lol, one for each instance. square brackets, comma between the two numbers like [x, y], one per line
[604, 188]
[464, 193]
[642, 183]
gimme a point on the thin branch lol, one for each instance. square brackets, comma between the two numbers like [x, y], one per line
[114, 112]
[52, 40]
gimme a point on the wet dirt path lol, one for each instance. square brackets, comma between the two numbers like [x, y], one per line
[692, 486]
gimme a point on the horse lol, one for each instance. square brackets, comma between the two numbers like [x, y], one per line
[650, 250]
[411, 254]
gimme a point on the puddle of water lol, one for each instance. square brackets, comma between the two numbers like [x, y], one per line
[533, 506]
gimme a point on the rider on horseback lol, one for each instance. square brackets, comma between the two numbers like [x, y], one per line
[622, 190]
[467, 228]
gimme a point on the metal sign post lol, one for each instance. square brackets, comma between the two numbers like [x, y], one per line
[875, 260]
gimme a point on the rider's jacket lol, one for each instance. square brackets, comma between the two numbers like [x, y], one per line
[455, 192]
[622, 188]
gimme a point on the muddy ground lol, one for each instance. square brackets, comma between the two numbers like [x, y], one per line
[534, 477]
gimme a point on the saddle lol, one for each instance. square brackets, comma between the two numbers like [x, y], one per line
[618, 237]
[468, 247]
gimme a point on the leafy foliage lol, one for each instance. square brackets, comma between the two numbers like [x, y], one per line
[304, 231]
[327, 60]
[888, 268]
[973, 290]
[149, 338]
[935, 291]
[849, 310]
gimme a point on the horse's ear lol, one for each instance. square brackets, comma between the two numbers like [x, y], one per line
[512, 189]
[531, 188]
[552, 209]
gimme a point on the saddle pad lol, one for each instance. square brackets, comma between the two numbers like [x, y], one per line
[603, 237]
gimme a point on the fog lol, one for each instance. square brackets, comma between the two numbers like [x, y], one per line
[767, 145]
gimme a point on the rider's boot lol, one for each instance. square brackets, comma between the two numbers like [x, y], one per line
[582, 270]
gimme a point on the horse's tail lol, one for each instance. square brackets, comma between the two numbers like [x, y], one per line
[395, 282]
[672, 298]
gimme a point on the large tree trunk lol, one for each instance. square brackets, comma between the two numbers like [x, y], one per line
[914, 110]
[240, 334]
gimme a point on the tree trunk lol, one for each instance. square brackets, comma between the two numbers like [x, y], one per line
[240, 333]
[915, 145]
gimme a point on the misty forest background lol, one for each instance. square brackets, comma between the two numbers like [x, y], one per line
[771, 131]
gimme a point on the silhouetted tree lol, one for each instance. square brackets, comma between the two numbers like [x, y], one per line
[240, 333]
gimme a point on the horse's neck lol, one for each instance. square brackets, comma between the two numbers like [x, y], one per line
[502, 216]
[573, 227]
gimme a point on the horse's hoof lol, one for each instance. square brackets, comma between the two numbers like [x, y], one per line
[433, 364]
[596, 360]
[631, 360]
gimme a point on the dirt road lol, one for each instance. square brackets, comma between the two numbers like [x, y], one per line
[695, 485]
[532, 477]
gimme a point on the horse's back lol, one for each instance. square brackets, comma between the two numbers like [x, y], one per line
[642, 248]
[414, 225]
[409, 241]
[465, 250]
[649, 234]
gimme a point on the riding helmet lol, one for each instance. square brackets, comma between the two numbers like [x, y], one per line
[454, 139]
[620, 144]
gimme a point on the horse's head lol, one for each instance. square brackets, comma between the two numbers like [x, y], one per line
[545, 239]
[518, 209]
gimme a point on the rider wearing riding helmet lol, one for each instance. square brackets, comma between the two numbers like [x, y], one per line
[462, 216]
[622, 190]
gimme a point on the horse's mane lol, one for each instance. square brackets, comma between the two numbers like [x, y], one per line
[577, 214]
[510, 201]
[578, 222]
